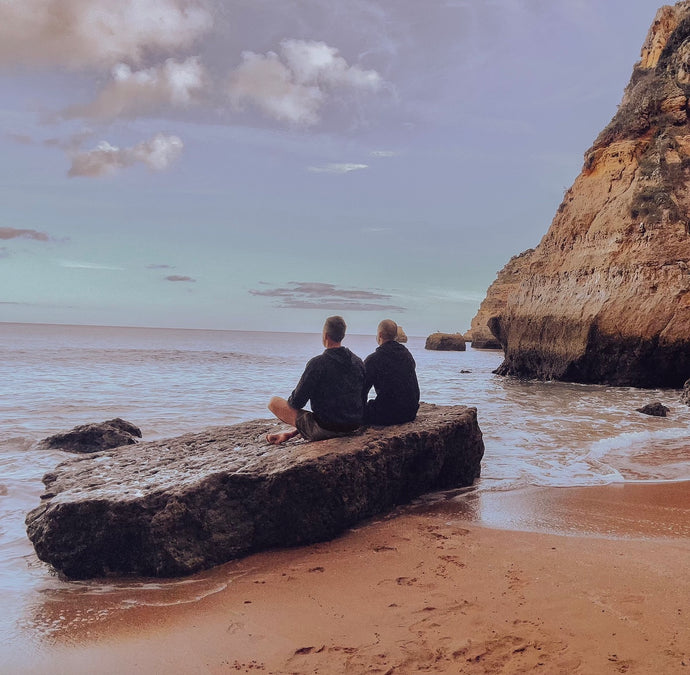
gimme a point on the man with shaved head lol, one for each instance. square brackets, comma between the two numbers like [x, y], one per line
[391, 370]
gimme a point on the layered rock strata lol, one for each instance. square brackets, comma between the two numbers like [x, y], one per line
[446, 342]
[172, 507]
[605, 297]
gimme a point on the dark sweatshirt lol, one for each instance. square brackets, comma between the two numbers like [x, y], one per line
[333, 382]
[391, 371]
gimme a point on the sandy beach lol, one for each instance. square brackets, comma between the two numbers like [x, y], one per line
[424, 589]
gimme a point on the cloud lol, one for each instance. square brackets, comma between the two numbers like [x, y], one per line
[294, 85]
[157, 153]
[78, 265]
[337, 168]
[175, 83]
[22, 139]
[178, 277]
[70, 143]
[315, 295]
[92, 33]
[383, 153]
[12, 233]
[154, 266]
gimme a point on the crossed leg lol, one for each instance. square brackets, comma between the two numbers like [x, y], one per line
[285, 413]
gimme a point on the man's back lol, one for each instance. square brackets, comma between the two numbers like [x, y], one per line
[391, 371]
[333, 382]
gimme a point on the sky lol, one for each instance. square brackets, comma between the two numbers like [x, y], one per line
[263, 164]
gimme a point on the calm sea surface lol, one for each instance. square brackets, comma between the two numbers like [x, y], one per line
[169, 382]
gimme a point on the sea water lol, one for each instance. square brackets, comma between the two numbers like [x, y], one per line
[170, 382]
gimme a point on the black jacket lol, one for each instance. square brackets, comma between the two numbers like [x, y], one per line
[333, 382]
[391, 371]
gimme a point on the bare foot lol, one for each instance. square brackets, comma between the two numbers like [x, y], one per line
[277, 439]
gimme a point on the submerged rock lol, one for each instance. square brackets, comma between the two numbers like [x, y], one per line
[172, 507]
[656, 409]
[605, 296]
[94, 437]
[446, 342]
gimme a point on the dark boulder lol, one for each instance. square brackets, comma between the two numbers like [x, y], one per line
[172, 507]
[446, 342]
[94, 437]
[656, 409]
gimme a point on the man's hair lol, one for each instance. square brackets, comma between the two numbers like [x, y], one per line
[388, 330]
[334, 328]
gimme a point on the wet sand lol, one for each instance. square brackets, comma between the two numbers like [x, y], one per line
[436, 587]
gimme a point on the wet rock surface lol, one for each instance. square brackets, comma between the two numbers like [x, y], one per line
[176, 506]
[94, 437]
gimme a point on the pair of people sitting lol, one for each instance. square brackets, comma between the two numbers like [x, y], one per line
[337, 382]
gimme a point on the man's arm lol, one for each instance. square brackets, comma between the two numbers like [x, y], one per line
[303, 391]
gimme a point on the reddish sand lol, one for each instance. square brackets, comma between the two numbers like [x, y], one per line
[425, 592]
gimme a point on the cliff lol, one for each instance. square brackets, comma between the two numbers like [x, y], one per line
[605, 296]
[507, 280]
[172, 507]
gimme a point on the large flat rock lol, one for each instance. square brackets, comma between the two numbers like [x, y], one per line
[173, 507]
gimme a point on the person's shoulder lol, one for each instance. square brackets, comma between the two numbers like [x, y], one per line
[315, 361]
[354, 358]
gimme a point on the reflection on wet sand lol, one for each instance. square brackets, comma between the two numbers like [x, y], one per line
[620, 510]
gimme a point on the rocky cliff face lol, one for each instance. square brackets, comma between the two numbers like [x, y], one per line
[605, 297]
[507, 281]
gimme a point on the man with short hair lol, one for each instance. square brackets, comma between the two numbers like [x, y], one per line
[333, 382]
[391, 370]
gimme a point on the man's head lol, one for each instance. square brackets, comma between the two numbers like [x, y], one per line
[387, 331]
[334, 329]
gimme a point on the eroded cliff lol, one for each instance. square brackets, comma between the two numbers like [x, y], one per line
[605, 297]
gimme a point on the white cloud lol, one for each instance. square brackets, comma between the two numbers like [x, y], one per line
[295, 87]
[76, 265]
[338, 168]
[88, 33]
[157, 153]
[383, 153]
[132, 92]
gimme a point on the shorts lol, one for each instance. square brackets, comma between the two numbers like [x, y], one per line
[311, 430]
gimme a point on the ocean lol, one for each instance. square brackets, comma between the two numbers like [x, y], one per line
[168, 382]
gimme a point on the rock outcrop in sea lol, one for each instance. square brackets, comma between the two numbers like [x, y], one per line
[605, 296]
[446, 342]
[172, 507]
[94, 437]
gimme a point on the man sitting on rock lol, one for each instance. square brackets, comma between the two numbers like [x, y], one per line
[391, 371]
[333, 383]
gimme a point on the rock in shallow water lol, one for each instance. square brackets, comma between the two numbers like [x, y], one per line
[94, 437]
[172, 507]
[446, 342]
[655, 409]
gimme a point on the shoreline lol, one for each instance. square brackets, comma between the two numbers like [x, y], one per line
[421, 589]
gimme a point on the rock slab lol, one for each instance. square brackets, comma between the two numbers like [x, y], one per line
[173, 507]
